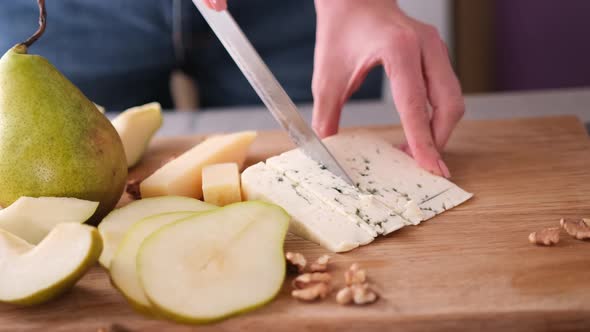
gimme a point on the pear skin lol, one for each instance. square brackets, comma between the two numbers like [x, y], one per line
[53, 140]
[33, 275]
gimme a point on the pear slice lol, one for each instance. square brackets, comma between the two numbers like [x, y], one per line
[136, 126]
[114, 226]
[123, 268]
[33, 218]
[31, 275]
[216, 263]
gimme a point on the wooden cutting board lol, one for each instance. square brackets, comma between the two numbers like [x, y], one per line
[468, 269]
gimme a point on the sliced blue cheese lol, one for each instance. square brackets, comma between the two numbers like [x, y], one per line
[311, 218]
[335, 192]
[391, 191]
[393, 177]
[444, 201]
[393, 221]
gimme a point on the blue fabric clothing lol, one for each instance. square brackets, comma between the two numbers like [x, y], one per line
[121, 52]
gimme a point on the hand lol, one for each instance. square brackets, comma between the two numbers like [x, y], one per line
[218, 5]
[353, 37]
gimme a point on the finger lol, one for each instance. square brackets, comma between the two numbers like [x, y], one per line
[403, 67]
[332, 86]
[444, 90]
[217, 5]
[328, 88]
[327, 104]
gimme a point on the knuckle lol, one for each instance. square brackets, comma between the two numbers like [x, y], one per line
[430, 32]
[453, 107]
[415, 103]
[402, 38]
[457, 108]
[453, 103]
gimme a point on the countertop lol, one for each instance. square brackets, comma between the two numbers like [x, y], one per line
[468, 269]
[486, 106]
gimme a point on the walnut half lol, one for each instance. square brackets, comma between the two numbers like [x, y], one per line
[357, 294]
[547, 237]
[363, 294]
[355, 275]
[344, 296]
[578, 229]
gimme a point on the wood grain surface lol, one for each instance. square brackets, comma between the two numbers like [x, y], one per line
[468, 269]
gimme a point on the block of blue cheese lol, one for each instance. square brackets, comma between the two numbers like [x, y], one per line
[390, 191]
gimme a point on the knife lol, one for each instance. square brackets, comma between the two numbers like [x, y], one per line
[268, 88]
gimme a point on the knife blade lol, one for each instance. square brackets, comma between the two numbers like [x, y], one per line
[268, 88]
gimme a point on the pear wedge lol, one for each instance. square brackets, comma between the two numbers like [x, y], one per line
[35, 274]
[136, 126]
[114, 226]
[123, 268]
[215, 264]
[33, 218]
[183, 175]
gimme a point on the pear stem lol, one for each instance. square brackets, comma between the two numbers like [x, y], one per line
[42, 25]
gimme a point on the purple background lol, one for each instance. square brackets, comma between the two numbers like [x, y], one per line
[542, 44]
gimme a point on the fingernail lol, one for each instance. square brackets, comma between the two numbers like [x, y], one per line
[214, 4]
[211, 3]
[444, 169]
[219, 5]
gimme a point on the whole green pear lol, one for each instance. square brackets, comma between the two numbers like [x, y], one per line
[53, 140]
